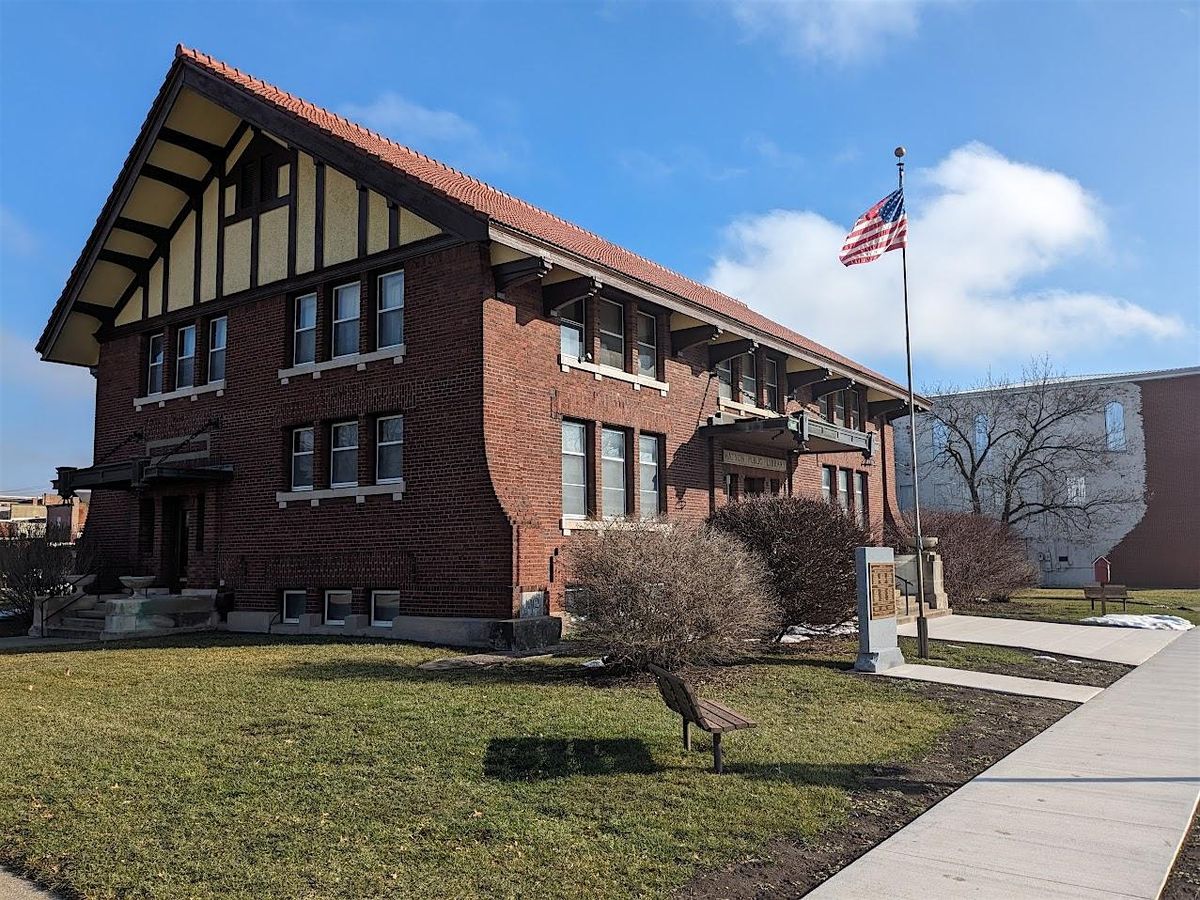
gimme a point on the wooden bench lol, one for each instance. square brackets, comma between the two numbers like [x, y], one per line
[1104, 592]
[708, 715]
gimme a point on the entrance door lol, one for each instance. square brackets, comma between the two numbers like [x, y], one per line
[175, 543]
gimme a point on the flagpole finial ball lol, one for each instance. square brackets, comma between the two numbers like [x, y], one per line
[899, 151]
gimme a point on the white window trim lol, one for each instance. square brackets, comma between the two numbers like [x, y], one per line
[379, 310]
[335, 450]
[325, 620]
[624, 461]
[567, 525]
[179, 356]
[296, 489]
[213, 349]
[640, 345]
[567, 363]
[768, 365]
[658, 466]
[378, 443]
[380, 623]
[586, 468]
[335, 321]
[160, 399]
[297, 330]
[161, 365]
[359, 360]
[359, 493]
[600, 332]
[283, 616]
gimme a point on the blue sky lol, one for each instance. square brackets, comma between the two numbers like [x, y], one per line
[1054, 151]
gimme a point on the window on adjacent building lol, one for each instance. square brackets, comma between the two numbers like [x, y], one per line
[185, 357]
[749, 379]
[827, 483]
[649, 467]
[981, 433]
[647, 345]
[860, 497]
[612, 473]
[302, 459]
[1076, 490]
[574, 470]
[343, 454]
[304, 344]
[345, 319]
[724, 370]
[217, 329]
[843, 493]
[294, 603]
[1114, 425]
[570, 330]
[154, 372]
[612, 334]
[771, 383]
[385, 606]
[389, 449]
[389, 314]
[337, 607]
[941, 436]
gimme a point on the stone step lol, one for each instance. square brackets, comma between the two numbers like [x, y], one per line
[96, 612]
[79, 623]
[85, 633]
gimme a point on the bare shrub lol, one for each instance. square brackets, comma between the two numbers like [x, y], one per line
[34, 566]
[982, 558]
[808, 548]
[672, 596]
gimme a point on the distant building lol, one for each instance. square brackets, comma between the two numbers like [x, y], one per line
[1150, 425]
[70, 516]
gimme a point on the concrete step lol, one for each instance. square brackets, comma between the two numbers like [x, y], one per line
[79, 623]
[62, 632]
[902, 619]
[98, 612]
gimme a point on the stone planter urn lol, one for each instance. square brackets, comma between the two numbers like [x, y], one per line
[137, 583]
[929, 543]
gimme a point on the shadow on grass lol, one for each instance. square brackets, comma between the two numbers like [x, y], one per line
[847, 776]
[541, 759]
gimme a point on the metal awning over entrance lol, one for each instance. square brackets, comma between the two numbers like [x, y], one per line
[137, 473]
[801, 433]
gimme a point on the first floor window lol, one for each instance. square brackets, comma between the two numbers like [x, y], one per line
[843, 483]
[345, 320]
[771, 383]
[302, 459]
[154, 373]
[389, 326]
[749, 379]
[217, 329]
[827, 483]
[612, 334]
[304, 342]
[574, 470]
[337, 607]
[647, 345]
[385, 606]
[724, 370]
[343, 454]
[294, 603]
[570, 330]
[389, 449]
[756, 487]
[185, 358]
[612, 472]
[860, 497]
[649, 468]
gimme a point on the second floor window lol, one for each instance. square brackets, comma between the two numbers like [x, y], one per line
[612, 473]
[1114, 426]
[771, 383]
[612, 334]
[154, 370]
[389, 329]
[574, 470]
[749, 379]
[302, 459]
[724, 370]
[345, 320]
[941, 436]
[343, 454]
[304, 346]
[389, 449]
[185, 359]
[570, 330]
[217, 329]
[839, 408]
[649, 455]
[647, 345]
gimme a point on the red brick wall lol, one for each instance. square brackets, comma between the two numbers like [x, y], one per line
[1163, 549]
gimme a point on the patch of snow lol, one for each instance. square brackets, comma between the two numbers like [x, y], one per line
[1153, 622]
[789, 638]
[798, 633]
[1047, 658]
[593, 664]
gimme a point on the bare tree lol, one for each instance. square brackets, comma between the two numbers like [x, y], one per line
[38, 565]
[1023, 449]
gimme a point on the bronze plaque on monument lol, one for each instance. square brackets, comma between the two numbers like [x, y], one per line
[882, 581]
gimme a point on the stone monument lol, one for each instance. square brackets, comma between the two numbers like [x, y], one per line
[878, 649]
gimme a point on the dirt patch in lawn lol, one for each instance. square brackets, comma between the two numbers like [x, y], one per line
[890, 796]
[1184, 881]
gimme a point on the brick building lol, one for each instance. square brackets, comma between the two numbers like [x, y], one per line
[360, 391]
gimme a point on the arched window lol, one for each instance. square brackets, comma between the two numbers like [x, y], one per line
[1114, 425]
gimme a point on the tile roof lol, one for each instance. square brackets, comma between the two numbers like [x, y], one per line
[516, 214]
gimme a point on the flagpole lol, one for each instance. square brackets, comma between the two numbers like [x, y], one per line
[922, 622]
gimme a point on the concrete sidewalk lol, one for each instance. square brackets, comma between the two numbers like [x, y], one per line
[986, 681]
[1095, 806]
[1131, 646]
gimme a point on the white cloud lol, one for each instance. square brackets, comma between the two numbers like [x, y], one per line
[983, 227]
[432, 131]
[841, 31]
[15, 236]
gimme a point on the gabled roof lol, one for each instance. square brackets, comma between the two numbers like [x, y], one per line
[495, 206]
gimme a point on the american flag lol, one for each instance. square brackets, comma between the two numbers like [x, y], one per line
[881, 228]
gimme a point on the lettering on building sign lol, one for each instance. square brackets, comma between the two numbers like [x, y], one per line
[754, 461]
[881, 577]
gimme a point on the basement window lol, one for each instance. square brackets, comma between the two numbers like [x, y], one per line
[294, 603]
[337, 607]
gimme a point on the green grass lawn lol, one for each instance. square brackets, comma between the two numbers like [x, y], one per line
[1068, 605]
[219, 766]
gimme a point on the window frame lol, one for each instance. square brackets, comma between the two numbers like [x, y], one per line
[748, 362]
[312, 454]
[601, 334]
[646, 348]
[335, 322]
[829, 484]
[334, 451]
[844, 487]
[384, 623]
[724, 386]
[381, 311]
[283, 605]
[771, 383]
[180, 356]
[297, 330]
[350, 604]
[859, 484]
[657, 492]
[151, 365]
[624, 460]
[1115, 439]
[379, 442]
[572, 423]
[213, 348]
[575, 326]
